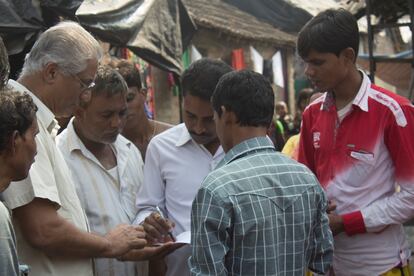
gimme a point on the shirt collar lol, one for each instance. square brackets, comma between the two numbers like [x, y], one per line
[185, 136]
[75, 143]
[121, 146]
[253, 144]
[360, 100]
[44, 114]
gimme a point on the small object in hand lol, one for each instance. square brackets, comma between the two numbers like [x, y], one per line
[159, 215]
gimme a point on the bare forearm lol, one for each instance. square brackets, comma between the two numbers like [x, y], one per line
[68, 241]
[47, 231]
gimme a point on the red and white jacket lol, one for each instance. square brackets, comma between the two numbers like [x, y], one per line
[359, 162]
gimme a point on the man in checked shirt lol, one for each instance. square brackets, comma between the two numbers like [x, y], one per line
[258, 212]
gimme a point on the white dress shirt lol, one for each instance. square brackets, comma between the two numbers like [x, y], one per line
[108, 196]
[49, 178]
[175, 166]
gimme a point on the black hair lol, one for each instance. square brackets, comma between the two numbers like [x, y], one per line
[130, 73]
[330, 31]
[249, 95]
[17, 112]
[202, 76]
[109, 81]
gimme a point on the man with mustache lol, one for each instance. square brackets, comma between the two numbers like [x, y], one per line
[51, 227]
[107, 168]
[177, 161]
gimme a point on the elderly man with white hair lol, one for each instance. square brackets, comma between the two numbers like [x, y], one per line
[51, 226]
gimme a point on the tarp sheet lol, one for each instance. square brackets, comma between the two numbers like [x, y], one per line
[19, 22]
[156, 30]
[287, 15]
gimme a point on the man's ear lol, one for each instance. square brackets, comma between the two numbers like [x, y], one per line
[228, 116]
[50, 73]
[349, 55]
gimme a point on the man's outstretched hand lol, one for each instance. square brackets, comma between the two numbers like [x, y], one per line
[124, 238]
[150, 253]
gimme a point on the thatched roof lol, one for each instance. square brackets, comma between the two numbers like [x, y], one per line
[227, 19]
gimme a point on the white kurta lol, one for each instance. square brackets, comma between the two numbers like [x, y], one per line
[108, 197]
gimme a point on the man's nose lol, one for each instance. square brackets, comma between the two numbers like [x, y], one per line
[116, 121]
[199, 127]
[309, 71]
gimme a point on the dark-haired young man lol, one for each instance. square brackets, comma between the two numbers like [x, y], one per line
[18, 129]
[258, 212]
[178, 159]
[138, 128]
[357, 139]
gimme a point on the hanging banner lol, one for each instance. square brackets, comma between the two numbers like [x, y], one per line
[278, 77]
[237, 59]
[195, 54]
[257, 60]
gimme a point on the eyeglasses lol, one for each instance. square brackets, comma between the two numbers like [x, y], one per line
[84, 86]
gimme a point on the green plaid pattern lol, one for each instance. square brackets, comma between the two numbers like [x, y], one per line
[260, 213]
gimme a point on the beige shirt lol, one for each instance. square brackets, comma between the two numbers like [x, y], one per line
[49, 178]
[108, 196]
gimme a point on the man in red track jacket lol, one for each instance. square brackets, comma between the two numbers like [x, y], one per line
[358, 140]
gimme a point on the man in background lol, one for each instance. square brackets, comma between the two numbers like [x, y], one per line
[138, 128]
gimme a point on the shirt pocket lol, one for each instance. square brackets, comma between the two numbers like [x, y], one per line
[364, 156]
[362, 166]
[128, 193]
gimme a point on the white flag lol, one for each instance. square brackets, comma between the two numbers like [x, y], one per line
[257, 60]
[277, 64]
[195, 54]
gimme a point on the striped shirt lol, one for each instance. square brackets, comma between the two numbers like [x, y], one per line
[259, 213]
[107, 196]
